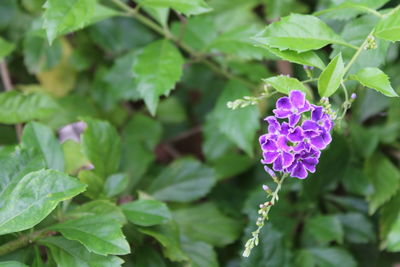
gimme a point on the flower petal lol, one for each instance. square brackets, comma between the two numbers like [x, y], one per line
[310, 125]
[285, 128]
[299, 171]
[318, 142]
[302, 146]
[305, 108]
[263, 138]
[282, 143]
[270, 157]
[296, 135]
[327, 138]
[283, 103]
[316, 113]
[278, 164]
[279, 113]
[310, 163]
[269, 145]
[294, 119]
[297, 98]
[273, 124]
[287, 159]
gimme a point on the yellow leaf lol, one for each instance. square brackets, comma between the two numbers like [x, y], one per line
[59, 80]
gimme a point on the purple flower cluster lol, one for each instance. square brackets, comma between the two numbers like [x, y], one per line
[294, 146]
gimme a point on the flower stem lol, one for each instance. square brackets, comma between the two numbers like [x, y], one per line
[21, 242]
[167, 34]
[264, 211]
[357, 53]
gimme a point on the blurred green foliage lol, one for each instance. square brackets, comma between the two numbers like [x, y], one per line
[161, 171]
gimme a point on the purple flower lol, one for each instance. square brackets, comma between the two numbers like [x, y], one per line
[294, 146]
[304, 161]
[291, 107]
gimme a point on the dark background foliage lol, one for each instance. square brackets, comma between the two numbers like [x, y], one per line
[164, 159]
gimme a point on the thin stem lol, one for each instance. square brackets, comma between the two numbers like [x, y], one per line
[5, 77]
[22, 241]
[310, 80]
[372, 11]
[392, 11]
[264, 211]
[154, 26]
[357, 53]
[349, 45]
[346, 94]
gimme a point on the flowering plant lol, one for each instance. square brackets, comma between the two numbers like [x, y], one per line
[131, 133]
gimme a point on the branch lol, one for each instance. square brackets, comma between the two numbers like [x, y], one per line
[264, 211]
[23, 241]
[201, 57]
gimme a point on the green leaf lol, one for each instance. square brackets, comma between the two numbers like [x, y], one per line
[12, 264]
[364, 140]
[115, 184]
[392, 240]
[160, 14]
[183, 181]
[147, 212]
[100, 234]
[355, 32]
[5, 48]
[199, 32]
[38, 54]
[28, 199]
[215, 144]
[168, 236]
[291, 33]
[42, 138]
[376, 79]
[192, 7]
[237, 43]
[201, 254]
[325, 228]
[304, 258]
[330, 257]
[388, 28]
[101, 144]
[67, 15]
[157, 69]
[16, 107]
[285, 84]
[99, 208]
[385, 178]
[331, 77]
[206, 223]
[146, 256]
[67, 253]
[278, 9]
[111, 36]
[309, 58]
[239, 125]
[389, 215]
[349, 9]
[171, 110]
[74, 157]
[357, 228]
[231, 164]
[94, 183]
[140, 137]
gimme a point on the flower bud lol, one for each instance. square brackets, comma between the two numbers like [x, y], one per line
[353, 96]
[265, 187]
